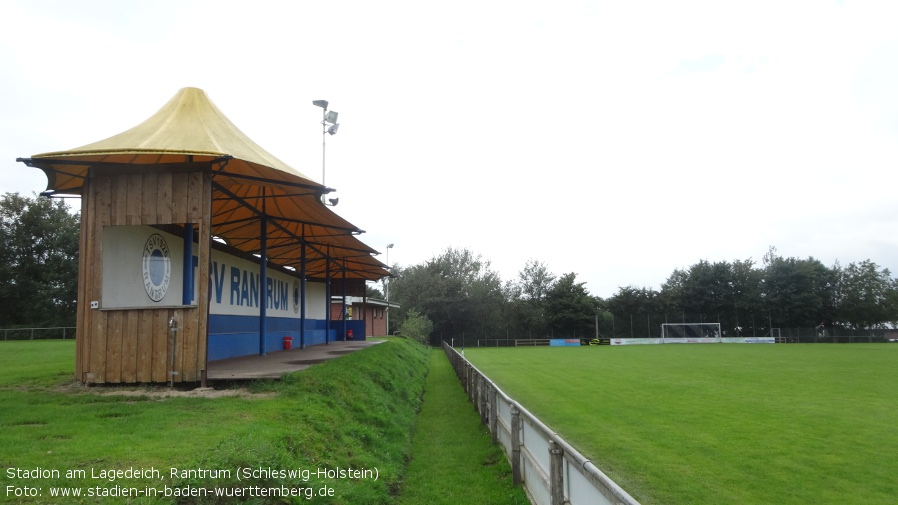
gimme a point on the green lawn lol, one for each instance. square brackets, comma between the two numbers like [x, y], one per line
[720, 423]
[355, 412]
[453, 459]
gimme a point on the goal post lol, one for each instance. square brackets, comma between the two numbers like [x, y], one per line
[690, 332]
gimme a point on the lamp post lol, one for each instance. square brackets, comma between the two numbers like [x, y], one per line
[387, 289]
[327, 118]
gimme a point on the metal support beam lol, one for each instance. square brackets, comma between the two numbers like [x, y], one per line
[187, 292]
[327, 302]
[302, 297]
[263, 283]
[345, 309]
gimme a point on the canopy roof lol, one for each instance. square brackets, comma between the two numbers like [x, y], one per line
[248, 183]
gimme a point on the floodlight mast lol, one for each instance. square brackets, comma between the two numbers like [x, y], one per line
[327, 118]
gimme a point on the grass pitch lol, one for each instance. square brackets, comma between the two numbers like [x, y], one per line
[718, 423]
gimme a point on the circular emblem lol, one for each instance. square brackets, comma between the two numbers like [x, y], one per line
[295, 296]
[156, 267]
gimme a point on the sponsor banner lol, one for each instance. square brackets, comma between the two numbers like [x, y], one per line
[144, 268]
[634, 341]
[725, 340]
[235, 290]
[700, 340]
[564, 342]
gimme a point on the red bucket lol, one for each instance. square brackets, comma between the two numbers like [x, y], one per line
[288, 343]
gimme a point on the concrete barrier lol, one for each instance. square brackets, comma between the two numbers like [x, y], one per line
[550, 469]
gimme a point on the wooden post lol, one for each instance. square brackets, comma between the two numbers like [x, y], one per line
[515, 445]
[556, 473]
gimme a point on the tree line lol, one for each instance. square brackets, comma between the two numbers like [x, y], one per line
[464, 298]
[38, 262]
[461, 296]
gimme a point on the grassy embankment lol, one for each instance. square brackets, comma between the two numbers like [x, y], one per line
[720, 423]
[357, 412]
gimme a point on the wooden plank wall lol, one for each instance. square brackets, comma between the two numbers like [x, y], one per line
[133, 345]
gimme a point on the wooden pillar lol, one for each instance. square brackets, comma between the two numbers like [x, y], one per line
[203, 209]
[83, 311]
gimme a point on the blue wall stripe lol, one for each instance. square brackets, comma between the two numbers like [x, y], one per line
[233, 336]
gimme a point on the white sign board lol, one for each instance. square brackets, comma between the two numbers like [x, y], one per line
[144, 268]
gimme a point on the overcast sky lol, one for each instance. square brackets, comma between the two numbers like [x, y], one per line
[617, 140]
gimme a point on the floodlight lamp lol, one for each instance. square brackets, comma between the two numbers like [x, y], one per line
[334, 201]
[389, 246]
[331, 117]
[320, 103]
[333, 129]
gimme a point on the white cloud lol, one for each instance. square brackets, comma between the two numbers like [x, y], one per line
[618, 140]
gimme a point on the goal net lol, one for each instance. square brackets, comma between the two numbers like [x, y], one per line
[690, 332]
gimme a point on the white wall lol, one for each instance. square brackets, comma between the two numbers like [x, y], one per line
[133, 277]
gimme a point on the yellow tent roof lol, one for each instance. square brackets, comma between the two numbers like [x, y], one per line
[248, 182]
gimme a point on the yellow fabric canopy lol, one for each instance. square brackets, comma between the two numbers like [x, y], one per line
[249, 185]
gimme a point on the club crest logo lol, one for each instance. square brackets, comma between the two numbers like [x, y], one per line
[156, 267]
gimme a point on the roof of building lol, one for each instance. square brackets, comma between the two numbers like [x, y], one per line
[250, 186]
[358, 300]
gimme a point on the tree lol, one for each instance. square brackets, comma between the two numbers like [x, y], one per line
[866, 295]
[673, 293]
[535, 280]
[416, 327]
[571, 310]
[633, 307]
[371, 291]
[707, 291]
[529, 296]
[39, 241]
[797, 293]
[463, 297]
[456, 290]
[746, 282]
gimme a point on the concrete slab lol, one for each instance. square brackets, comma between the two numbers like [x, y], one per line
[275, 364]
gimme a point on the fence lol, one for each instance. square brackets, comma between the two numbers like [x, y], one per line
[833, 336]
[62, 332]
[550, 469]
[829, 335]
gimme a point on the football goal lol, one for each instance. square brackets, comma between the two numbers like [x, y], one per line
[690, 332]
